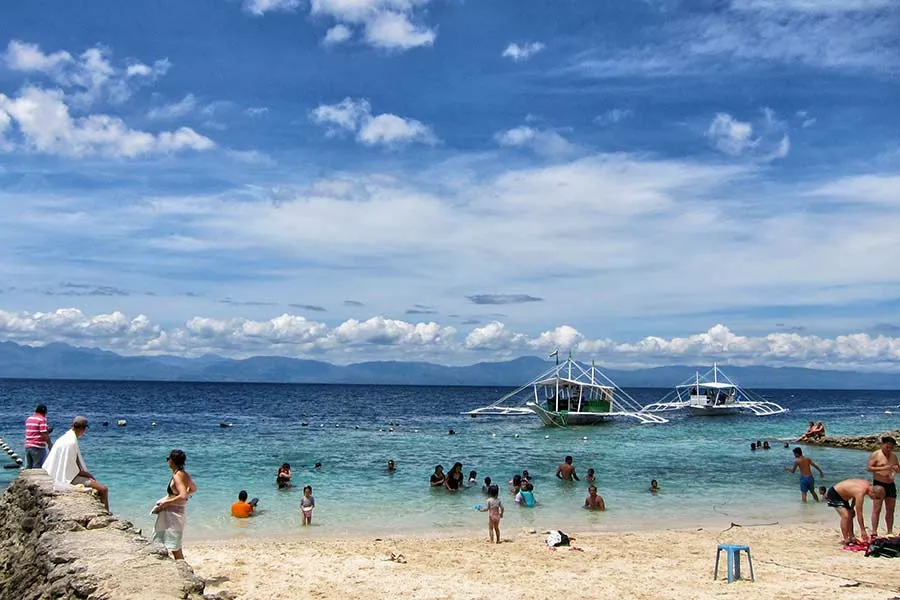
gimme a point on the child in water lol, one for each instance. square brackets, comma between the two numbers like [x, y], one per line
[307, 504]
[494, 509]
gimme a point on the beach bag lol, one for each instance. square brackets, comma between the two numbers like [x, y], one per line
[884, 547]
[557, 538]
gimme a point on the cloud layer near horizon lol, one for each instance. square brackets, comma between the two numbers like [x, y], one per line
[353, 340]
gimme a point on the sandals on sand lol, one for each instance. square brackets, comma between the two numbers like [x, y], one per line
[397, 558]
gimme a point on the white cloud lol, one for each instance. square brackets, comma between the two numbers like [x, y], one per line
[371, 130]
[730, 135]
[261, 7]
[387, 24]
[547, 142]
[296, 336]
[522, 53]
[337, 35]
[44, 122]
[393, 30]
[736, 138]
[22, 56]
[857, 35]
[175, 110]
[92, 74]
[811, 6]
[613, 116]
[256, 111]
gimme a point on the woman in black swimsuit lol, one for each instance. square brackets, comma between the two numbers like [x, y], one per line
[171, 514]
[455, 477]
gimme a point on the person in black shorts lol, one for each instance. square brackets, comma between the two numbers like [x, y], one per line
[884, 466]
[847, 498]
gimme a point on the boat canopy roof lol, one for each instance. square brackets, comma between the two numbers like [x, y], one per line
[562, 381]
[719, 385]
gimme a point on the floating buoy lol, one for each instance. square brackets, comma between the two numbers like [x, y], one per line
[321, 424]
[584, 438]
[493, 435]
[304, 424]
[121, 422]
[105, 423]
[357, 427]
[390, 429]
[223, 424]
[153, 424]
[546, 437]
[415, 431]
[336, 425]
[887, 412]
[14, 456]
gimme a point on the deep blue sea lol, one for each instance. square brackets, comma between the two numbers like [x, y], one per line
[704, 465]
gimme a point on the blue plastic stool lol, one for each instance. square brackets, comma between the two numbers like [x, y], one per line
[734, 561]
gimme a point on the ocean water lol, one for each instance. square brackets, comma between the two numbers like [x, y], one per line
[705, 468]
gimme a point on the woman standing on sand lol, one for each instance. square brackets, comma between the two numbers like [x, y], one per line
[171, 511]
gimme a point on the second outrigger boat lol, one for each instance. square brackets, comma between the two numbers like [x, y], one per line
[714, 394]
[569, 394]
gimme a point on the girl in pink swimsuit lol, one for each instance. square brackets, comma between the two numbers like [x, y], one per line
[494, 509]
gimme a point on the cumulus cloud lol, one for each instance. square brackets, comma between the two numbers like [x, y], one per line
[547, 142]
[521, 53]
[337, 35]
[46, 126]
[736, 138]
[355, 116]
[261, 7]
[91, 75]
[387, 24]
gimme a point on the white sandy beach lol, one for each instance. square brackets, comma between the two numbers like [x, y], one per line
[791, 562]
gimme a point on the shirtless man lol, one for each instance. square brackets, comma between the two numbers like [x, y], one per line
[594, 501]
[883, 466]
[566, 471]
[848, 497]
[805, 464]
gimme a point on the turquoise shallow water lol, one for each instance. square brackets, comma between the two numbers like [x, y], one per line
[704, 466]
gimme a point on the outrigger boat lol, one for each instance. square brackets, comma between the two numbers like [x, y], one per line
[713, 394]
[569, 394]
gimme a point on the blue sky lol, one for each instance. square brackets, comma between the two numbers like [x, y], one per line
[643, 181]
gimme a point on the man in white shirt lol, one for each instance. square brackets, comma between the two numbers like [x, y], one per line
[66, 466]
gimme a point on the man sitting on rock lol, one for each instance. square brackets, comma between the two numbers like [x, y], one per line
[66, 466]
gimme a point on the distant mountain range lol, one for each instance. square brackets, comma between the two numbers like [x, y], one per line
[62, 361]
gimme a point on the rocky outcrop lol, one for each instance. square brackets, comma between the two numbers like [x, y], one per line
[854, 442]
[65, 545]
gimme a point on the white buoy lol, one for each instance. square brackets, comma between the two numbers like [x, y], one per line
[517, 435]
[14, 456]
[153, 424]
[584, 438]
[493, 435]
[390, 429]
[887, 412]
[546, 437]
[415, 431]
[121, 422]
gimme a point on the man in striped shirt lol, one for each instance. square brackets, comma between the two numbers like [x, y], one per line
[37, 438]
